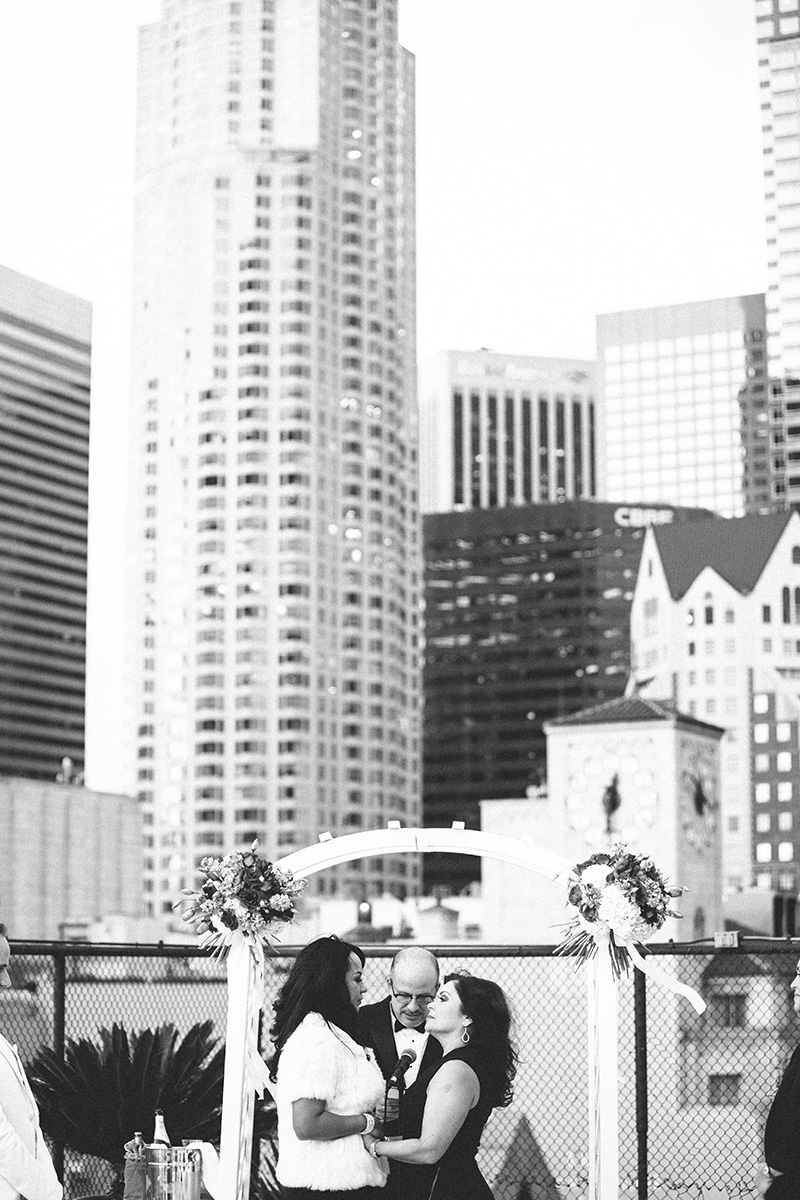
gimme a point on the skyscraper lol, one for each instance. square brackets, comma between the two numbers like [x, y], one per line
[502, 429]
[275, 551]
[45, 337]
[685, 405]
[778, 24]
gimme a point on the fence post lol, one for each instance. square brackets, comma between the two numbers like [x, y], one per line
[640, 1058]
[59, 1030]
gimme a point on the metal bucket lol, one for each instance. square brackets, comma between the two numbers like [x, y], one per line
[173, 1172]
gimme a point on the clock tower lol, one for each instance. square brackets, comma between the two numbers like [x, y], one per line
[640, 772]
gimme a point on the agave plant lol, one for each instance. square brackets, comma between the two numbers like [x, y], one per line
[94, 1099]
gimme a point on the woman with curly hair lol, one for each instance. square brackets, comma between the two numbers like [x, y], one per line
[444, 1112]
[328, 1087]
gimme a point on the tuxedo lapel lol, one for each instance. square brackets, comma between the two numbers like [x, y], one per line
[385, 1047]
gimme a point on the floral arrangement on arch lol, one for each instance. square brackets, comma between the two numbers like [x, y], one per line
[621, 898]
[241, 893]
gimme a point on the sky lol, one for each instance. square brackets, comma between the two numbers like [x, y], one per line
[572, 158]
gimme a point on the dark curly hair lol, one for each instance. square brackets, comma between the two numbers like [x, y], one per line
[315, 984]
[491, 1034]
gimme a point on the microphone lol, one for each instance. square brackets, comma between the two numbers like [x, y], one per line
[403, 1063]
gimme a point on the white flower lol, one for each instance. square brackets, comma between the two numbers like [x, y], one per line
[596, 875]
[618, 911]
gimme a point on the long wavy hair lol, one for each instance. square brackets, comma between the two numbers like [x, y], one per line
[491, 1034]
[315, 984]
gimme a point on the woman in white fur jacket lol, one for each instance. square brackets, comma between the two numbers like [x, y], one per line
[329, 1088]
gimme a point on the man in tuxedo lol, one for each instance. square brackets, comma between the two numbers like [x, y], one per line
[397, 1023]
[26, 1168]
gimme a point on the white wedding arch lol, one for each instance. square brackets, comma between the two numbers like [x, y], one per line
[244, 1000]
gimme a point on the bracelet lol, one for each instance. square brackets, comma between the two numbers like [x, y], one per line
[373, 1148]
[370, 1125]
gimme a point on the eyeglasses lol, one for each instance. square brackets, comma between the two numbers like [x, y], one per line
[407, 997]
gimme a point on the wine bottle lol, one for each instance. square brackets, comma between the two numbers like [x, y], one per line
[160, 1135]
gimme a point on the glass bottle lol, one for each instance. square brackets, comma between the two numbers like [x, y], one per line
[160, 1135]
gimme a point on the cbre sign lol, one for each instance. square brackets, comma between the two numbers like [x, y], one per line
[637, 517]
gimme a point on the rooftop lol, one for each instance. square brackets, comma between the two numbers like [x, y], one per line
[738, 549]
[628, 709]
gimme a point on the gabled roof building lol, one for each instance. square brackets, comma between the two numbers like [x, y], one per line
[715, 624]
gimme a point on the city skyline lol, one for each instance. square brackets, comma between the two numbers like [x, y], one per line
[637, 202]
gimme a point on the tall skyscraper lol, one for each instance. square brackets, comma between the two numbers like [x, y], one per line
[45, 347]
[685, 405]
[502, 429]
[527, 619]
[275, 552]
[778, 24]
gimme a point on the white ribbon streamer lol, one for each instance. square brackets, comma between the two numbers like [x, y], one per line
[668, 981]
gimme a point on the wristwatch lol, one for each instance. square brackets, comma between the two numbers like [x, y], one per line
[372, 1148]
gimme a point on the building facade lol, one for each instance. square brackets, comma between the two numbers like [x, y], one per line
[685, 406]
[276, 546]
[715, 625]
[71, 854]
[778, 31]
[503, 429]
[45, 350]
[527, 619]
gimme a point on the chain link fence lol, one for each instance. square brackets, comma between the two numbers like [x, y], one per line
[694, 1090]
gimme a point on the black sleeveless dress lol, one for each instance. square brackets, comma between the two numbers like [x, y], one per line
[456, 1175]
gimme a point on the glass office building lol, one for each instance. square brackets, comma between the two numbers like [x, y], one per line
[685, 406]
[527, 619]
[45, 355]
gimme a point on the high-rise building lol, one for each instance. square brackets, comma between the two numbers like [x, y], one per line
[778, 25]
[527, 619]
[45, 347]
[275, 566]
[502, 429]
[715, 626]
[685, 415]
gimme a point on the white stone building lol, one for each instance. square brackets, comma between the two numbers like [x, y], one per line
[715, 625]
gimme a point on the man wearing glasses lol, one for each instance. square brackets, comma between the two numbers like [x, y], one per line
[398, 1022]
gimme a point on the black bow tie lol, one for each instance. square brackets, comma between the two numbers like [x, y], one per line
[417, 1028]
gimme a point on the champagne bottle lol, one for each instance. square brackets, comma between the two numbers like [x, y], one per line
[160, 1135]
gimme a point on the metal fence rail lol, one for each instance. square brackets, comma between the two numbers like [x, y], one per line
[694, 1090]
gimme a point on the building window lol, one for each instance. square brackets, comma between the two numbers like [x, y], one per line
[723, 1090]
[763, 852]
[729, 1010]
[766, 613]
[785, 822]
[763, 822]
[761, 733]
[783, 731]
[784, 761]
[762, 793]
[785, 791]
[761, 702]
[785, 850]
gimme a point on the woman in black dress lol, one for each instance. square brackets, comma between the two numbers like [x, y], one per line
[445, 1110]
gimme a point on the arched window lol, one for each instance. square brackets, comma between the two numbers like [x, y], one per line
[797, 606]
[787, 605]
[796, 554]
[708, 606]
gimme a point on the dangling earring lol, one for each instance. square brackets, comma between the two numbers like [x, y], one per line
[465, 1035]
